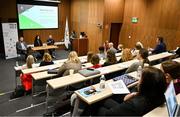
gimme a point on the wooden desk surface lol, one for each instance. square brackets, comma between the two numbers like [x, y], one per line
[160, 111]
[65, 81]
[97, 97]
[159, 56]
[177, 60]
[44, 74]
[43, 68]
[44, 47]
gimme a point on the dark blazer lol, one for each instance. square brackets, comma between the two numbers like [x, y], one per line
[43, 63]
[19, 47]
[37, 42]
[136, 106]
[161, 47]
[50, 41]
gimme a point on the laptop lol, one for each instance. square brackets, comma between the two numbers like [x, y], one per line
[171, 101]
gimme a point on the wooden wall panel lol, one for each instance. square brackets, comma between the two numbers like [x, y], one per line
[85, 15]
[156, 18]
[8, 10]
[113, 13]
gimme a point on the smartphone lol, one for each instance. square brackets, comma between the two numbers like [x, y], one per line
[91, 91]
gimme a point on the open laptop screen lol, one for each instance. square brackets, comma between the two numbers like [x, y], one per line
[171, 99]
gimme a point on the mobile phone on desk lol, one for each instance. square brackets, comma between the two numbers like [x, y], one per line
[91, 91]
[92, 69]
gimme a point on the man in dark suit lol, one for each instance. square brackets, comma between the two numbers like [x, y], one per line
[50, 41]
[21, 47]
[160, 47]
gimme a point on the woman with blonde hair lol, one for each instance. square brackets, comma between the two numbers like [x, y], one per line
[126, 55]
[29, 62]
[26, 79]
[73, 62]
[47, 60]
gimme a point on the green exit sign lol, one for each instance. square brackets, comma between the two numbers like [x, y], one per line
[134, 20]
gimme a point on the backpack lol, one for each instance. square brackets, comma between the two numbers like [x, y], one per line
[19, 92]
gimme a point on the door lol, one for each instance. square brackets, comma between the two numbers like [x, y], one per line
[114, 33]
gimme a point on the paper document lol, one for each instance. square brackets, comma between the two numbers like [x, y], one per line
[118, 87]
[103, 70]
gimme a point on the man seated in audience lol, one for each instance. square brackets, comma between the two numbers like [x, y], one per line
[172, 72]
[101, 53]
[120, 48]
[126, 55]
[135, 51]
[47, 60]
[142, 57]
[21, 47]
[50, 41]
[111, 47]
[111, 58]
[160, 47]
[150, 95]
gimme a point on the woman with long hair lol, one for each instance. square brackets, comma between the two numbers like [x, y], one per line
[111, 58]
[73, 62]
[47, 60]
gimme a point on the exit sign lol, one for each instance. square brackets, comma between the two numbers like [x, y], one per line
[134, 20]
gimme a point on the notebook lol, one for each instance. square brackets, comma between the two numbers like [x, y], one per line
[89, 72]
[171, 101]
[126, 79]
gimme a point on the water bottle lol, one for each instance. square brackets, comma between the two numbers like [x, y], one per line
[102, 82]
[17, 64]
[139, 72]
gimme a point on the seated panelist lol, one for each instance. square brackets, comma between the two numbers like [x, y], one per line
[21, 47]
[50, 41]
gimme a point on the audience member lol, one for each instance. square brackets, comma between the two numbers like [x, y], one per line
[21, 47]
[111, 58]
[172, 72]
[142, 57]
[120, 48]
[73, 62]
[177, 51]
[47, 60]
[101, 53]
[126, 55]
[135, 51]
[26, 79]
[106, 45]
[150, 95]
[89, 56]
[111, 47]
[160, 47]
[50, 41]
[95, 61]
